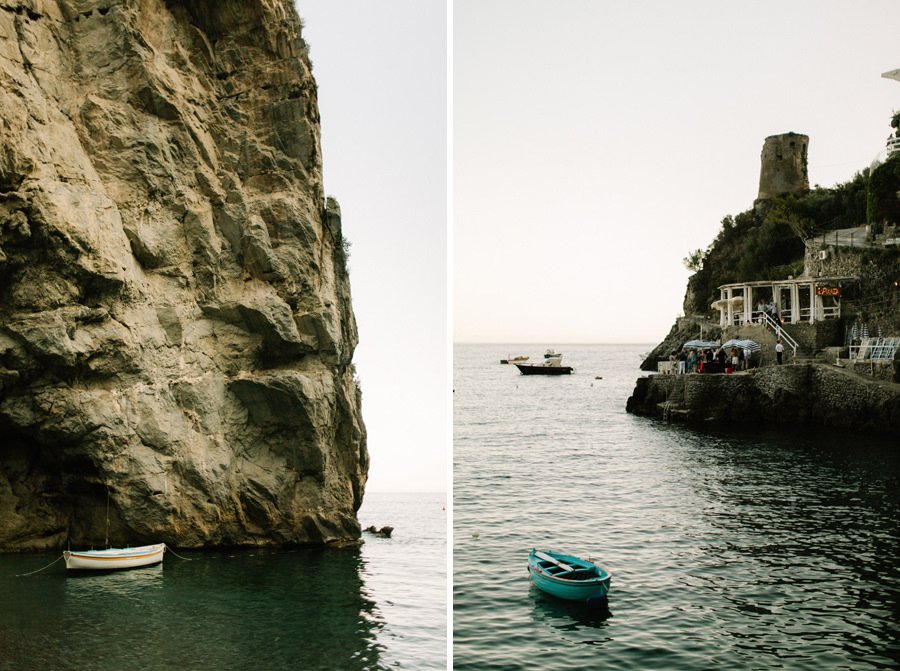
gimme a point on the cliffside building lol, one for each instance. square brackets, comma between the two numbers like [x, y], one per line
[893, 141]
[801, 300]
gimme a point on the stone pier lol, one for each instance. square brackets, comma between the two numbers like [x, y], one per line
[811, 394]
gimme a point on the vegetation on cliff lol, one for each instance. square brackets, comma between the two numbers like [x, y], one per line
[767, 241]
[883, 204]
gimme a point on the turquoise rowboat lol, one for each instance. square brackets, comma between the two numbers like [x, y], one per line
[114, 558]
[568, 577]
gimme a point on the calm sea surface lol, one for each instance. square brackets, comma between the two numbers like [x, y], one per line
[729, 549]
[382, 606]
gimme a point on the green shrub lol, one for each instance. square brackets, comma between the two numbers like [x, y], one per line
[883, 202]
[767, 243]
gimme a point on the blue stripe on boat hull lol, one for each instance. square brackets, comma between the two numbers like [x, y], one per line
[586, 591]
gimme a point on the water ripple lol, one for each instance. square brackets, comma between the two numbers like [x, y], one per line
[732, 549]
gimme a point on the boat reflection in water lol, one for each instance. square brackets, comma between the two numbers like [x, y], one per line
[568, 615]
[95, 586]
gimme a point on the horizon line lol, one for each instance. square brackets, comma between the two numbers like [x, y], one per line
[404, 491]
[573, 342]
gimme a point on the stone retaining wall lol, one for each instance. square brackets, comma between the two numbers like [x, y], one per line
[814, 394]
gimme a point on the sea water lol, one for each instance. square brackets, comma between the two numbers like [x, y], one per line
[729, 548]
[381, 606]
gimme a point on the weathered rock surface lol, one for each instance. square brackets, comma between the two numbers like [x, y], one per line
[813, 393]
[176, 331]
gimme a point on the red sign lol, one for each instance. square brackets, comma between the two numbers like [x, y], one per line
[828, 291]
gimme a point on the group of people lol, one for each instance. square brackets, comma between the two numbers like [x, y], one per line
[718, 360]
[767, 308]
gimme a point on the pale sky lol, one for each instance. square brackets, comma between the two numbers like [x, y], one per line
[596, 143]
[381, 74]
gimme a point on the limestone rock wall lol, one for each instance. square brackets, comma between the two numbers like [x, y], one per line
[176, 330]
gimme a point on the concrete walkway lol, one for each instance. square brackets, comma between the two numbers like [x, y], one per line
[846, 237]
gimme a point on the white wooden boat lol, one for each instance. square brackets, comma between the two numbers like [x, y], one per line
[114, 558]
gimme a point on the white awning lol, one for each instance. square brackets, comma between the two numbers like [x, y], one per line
[722, 303]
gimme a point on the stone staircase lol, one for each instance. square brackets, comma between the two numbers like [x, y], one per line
[765, 336]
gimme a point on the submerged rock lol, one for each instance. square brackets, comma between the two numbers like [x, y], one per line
[383, 532]
[176, 329]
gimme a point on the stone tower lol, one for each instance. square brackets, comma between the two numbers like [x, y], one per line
[783, 167]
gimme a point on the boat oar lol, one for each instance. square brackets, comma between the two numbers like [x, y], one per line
[552, 560]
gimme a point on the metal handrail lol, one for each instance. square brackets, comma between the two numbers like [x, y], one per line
[769, 321]
[875, 349]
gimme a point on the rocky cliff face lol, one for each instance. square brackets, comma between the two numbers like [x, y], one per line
[176, 331]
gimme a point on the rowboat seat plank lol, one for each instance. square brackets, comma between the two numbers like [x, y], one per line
[553, 560]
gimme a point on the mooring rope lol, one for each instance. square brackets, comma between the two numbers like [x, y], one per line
[21, 575]
[107, 515]
[175, 553]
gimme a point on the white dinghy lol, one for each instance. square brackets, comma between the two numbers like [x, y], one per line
[114, 558]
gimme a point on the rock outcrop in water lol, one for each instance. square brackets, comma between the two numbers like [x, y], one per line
[176, 331]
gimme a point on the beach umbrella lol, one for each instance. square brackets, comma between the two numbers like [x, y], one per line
[752, 345]
[700, 344]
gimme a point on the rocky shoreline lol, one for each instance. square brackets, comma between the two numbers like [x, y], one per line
[818, 394]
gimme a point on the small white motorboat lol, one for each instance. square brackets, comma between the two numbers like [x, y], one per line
[114, 558]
